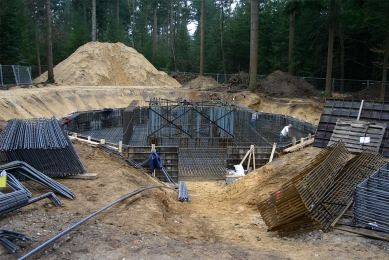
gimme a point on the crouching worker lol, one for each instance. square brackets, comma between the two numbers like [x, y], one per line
[285, 133]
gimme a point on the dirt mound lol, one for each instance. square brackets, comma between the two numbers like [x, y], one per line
[280, 84]
[259, 184]
[202, 83]
[372, 92]
[182, 78]
[110, 64]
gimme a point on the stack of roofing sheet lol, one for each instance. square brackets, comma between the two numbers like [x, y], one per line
[42, 144]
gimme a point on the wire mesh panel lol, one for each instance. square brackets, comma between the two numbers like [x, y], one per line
[202, 162]
[341, 192]
[15, 75]
[285, 207]
[371, 201]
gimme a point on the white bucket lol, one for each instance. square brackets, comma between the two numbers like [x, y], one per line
[239, 169]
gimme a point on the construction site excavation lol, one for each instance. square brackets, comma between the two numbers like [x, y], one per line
[117, 160]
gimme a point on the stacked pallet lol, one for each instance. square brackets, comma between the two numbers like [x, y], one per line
[358, 135]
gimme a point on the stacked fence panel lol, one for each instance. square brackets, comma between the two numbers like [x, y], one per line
[42, 144]
[371, 201]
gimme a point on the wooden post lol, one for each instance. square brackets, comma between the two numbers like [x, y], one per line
[293, 140]
[253, 157]
[120, 146]
[272, 152]
[301, 140]
[244, 158]
[102, 141]
[248, 163]
[89, 138]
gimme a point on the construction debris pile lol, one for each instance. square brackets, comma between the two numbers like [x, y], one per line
[239, 81]
[320, 192]
[42, 144]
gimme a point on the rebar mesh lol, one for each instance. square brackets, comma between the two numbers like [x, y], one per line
[42, 144]
[341, 192]
[299, 196]
[371, 201]
[202, 162]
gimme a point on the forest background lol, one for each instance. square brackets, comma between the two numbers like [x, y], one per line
[159, 31]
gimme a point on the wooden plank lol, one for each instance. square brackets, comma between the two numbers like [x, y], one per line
[272, 152]
[84, 176]
[298, 146]
[355, 130]
[373, 139]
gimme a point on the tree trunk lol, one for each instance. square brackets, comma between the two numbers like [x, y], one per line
[292, 26]
[385, 65]
[117, 11]
[202, 29]
[133, 22]
[94, 29]
[222, 44]
[327, 92]
[254, 44]
[50, 70]
[342, 50]
[172, 45]
[154, 31]
[38, 56]
[85, 13]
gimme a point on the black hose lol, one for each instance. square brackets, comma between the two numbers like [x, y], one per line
[87, 218]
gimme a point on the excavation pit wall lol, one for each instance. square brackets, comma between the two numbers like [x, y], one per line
[186, 157]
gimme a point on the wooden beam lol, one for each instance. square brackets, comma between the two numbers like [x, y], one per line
[298, 146]
[272, 152]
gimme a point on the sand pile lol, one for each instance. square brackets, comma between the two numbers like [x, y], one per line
[202, 83]
[280, 84]
[108, 64]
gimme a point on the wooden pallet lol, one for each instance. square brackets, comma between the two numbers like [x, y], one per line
[358, 135]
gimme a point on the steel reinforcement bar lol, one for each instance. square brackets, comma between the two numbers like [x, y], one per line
[299, 196]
